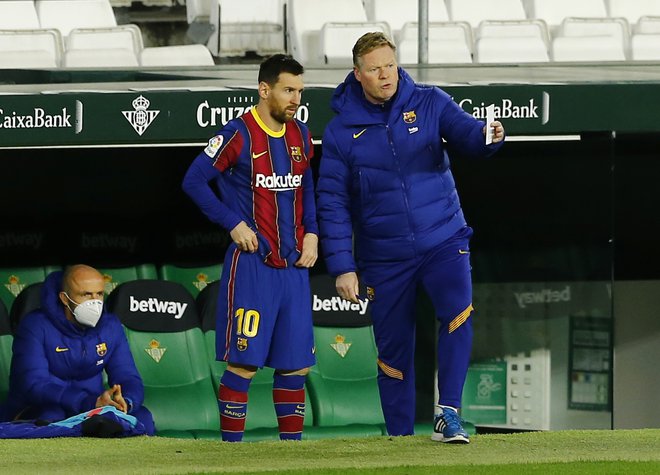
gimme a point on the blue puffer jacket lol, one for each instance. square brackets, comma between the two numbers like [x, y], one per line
[57, 365]
[385, 173]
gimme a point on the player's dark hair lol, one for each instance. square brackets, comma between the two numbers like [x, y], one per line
[272, 67]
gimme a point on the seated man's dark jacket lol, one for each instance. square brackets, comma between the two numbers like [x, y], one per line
[57, 366]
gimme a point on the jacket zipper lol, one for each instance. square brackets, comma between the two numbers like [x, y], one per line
[403, 185]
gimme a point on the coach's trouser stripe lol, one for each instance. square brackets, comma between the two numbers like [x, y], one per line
[460, 319]
[391, 372]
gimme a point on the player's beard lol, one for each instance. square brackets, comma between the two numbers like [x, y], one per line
[284, 114]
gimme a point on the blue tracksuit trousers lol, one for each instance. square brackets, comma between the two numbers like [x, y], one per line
[445, 274]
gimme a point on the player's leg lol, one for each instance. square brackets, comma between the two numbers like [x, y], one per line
[289, 401]
[392, 290]
[242, 335]
[446, 276]
[292, 352]
[144, 415]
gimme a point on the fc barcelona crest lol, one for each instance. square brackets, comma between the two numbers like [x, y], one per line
[340, 345]
[242, 344]
[371, 293]
[409, 117]
[296, 153]
[101, 349]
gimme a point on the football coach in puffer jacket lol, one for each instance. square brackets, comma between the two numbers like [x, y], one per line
[61, 350]
[385, 178]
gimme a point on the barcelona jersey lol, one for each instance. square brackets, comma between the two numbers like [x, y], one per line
[265, 179]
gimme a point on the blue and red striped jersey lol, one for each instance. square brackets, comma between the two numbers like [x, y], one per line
[264, 178]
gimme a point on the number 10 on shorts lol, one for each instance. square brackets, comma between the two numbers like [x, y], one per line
[247, 322]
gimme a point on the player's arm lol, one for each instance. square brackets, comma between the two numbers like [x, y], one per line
[30, 367]
[204, 171]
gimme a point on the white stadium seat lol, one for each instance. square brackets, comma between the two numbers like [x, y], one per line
[587, 48]
[247, 25]
[648, 24]
[397, 13]
[514, 28]
[633, 10]
[305, 19]
[449, 43]
[475, 11]
[553, 12]
[180, 55]
[337, 40]
[117, 37]
[616, 27]
[18, 15]
[65, 15]
[511, 49]
[40, 48]
[645, 47]
[100, 58]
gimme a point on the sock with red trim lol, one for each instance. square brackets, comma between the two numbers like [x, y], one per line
[289, 400]
[232, 403]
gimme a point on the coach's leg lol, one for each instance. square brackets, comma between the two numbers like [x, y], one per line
[393, 289]
[289, 400]
[447, 280]
[233, 399]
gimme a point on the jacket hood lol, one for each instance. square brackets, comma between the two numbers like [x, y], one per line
[352, 107]
[54, 310]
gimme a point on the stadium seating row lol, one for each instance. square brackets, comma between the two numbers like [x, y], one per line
[175, 355]
[81, 34]
[460, 31]
[85, 34]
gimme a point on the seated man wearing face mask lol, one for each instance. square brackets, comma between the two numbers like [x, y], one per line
[61, 350]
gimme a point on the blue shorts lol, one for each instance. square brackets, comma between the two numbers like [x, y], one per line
[264, 315]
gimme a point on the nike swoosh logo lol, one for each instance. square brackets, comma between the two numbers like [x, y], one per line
[60, 350]
[359, 133]
[461, 251]
[257, 155]
[230, 406]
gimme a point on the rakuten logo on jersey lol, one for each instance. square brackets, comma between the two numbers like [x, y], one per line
[278, 182]
[153, 305]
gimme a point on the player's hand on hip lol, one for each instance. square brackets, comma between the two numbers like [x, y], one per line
[348, 286]
[310, 251]
[244, 237]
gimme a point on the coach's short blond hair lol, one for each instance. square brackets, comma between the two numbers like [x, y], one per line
[369, 42]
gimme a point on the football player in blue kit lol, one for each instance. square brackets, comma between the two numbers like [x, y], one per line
[385, 186]
[254, 179]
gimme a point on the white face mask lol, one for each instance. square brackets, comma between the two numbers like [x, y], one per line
[87, 313]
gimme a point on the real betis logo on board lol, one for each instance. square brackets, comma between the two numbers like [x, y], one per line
[14, 285]
[155, 350]
[140, 118]
[340, 345]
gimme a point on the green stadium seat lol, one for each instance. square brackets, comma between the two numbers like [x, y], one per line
[343, 384]
[193, 278]
[6, 340]
[261, 422]
[115, 276]
[15, 279]
[163, 329]
[28, 300]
